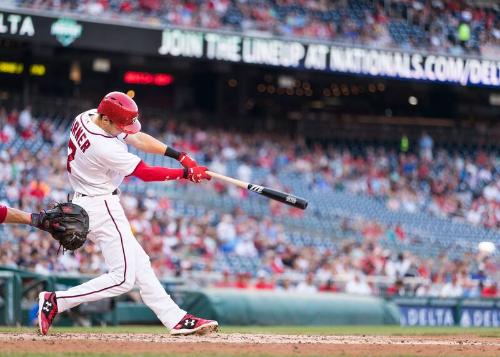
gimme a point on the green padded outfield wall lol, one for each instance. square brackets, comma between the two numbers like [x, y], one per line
[237, 307]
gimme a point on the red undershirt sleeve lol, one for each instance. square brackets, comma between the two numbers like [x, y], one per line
[3, 214]
[148, 173]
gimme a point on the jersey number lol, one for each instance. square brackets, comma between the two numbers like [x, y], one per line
[71, 154]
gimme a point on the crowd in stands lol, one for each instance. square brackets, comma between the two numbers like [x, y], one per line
[447, 184]
[456, 27]
[439, 182]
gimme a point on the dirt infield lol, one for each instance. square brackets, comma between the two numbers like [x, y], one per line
[249, 345]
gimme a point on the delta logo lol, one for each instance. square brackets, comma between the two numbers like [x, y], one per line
[66, 31]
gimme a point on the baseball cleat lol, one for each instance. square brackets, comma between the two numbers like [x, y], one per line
[192, 325]
[47, 310]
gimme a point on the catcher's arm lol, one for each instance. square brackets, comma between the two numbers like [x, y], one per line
[66, 222]
[14, 216]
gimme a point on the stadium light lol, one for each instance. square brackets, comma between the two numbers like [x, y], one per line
[75, 72]
[17, 68]
[101, 65]
[286, 82]
[38, 70]
[145, 78]
[495, 99]
[11, 67]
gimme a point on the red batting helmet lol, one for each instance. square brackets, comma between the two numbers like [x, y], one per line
[121, 110]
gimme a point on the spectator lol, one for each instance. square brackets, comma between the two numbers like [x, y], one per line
[262, 282]
[246, 246]
[242, 281]
[329, 287]
[25, 118]
[358, 286]
[226, 232]
[398, 289]
[452, 289]
[226, 281]
[39, 190]
[464, 34]
[426, 145]
[307, 286]
[489, 289]
[25, 122]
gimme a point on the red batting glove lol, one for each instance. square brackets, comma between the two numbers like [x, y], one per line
[187, 161]
[197, 174]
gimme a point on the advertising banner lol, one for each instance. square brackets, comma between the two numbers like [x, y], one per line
[449, 312]
[69, 32]
[426, 316]
[238, 48]
[324, 57]
[480, 317]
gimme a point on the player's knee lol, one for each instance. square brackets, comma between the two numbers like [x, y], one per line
[124, 282]
[127, 285]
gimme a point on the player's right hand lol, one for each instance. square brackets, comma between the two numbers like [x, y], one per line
[197, 174]
[187, 161]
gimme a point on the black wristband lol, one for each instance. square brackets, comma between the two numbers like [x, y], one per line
[35, 220]
[185, 175]
[174, 154]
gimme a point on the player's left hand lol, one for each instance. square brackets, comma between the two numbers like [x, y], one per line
[187, 161]
[197, 174]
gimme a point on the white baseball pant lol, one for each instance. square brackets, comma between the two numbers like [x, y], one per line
[127, 262]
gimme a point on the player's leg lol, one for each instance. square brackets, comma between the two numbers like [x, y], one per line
[156, 298]
[152, 292]
[116, 242]
[120, 261]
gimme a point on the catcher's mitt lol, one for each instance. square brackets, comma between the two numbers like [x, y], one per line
[68, 223]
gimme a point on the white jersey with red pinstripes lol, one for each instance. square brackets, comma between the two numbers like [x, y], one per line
[97, 162]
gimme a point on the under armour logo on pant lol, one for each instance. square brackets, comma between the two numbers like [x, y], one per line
[47, 306]
[189, 322]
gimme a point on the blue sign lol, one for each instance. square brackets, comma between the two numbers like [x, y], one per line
[426, 316]
[480, 317]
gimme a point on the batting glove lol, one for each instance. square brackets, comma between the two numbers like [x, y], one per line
[197, 174]
[187, 161]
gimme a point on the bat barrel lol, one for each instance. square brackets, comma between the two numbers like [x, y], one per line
[276, 195]
[283, 197]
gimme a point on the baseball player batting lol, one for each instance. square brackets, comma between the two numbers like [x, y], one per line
[98, 161]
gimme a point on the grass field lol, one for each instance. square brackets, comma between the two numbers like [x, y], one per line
[287, 330]
[154, 341]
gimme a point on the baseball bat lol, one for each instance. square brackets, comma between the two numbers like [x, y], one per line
[276, 195]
